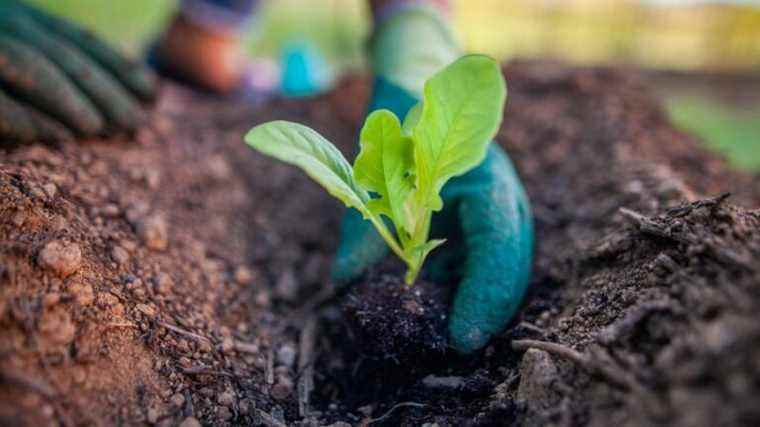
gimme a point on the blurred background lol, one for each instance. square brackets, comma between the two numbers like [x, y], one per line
[703, 57]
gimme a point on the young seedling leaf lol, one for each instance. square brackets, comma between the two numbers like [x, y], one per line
[384, 164]
[303, 147]
[411, 119]
[461, 112]
[404, 166]
[424, 249]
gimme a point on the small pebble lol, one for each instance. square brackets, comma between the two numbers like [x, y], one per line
[129, 245]
[287, 286]
[226, 399]
[47, 411]
[263, 299]
[153, 231]
[146, 309]
[119, 255]
[19, 218]
[50, 189]
[164, 284]
[366, 410]
[282, 389]
[218, 168]
[79, 374]
[107, 299]
[51, 299]
[190, 422]
[83, 293]
[177, 400]
[64, 259]
[224, 413]
[243, 275]
[244, 407]
[135, 211]
[205, 347]
[152, 415]
[286, 355]
[228, 345]
[56, 327]
[152, 179]
[110, 210]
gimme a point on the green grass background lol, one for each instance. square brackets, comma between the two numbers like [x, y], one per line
[339, 27]
[734, 132]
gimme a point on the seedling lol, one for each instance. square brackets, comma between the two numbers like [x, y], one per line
[396, 180]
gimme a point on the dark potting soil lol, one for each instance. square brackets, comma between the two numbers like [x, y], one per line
[391, 321]
[178, 275]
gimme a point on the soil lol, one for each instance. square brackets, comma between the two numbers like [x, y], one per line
[176, 277]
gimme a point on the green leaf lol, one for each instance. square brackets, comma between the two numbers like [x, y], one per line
[424, 249]
[411, 119]
[384, 163]
[461, 112]
[303, 147]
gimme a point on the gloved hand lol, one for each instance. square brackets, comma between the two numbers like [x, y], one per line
[57, 80]
[486, 215]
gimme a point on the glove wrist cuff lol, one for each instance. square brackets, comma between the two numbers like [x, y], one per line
[391, 8]
[228, 21]
[411, 44]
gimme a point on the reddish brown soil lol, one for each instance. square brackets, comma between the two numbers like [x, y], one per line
[178, 275]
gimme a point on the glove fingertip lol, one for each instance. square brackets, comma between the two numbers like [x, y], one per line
[480, 311]
[466, 337]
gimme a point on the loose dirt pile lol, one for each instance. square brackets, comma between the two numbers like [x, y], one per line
[178, 277]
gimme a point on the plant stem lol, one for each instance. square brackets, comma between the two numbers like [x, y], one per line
[387, 236]
[418, 238]
[411, 273]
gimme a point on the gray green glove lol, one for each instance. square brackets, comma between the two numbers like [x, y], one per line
[486, 215]
[59, 81]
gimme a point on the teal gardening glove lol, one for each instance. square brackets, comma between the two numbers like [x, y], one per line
[57, 80]
[487, 207]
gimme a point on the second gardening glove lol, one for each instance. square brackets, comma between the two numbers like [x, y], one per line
[486, 215]
[58, 81]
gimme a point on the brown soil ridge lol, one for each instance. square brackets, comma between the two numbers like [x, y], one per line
[170, 276]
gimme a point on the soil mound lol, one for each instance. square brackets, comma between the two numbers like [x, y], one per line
[176, 276]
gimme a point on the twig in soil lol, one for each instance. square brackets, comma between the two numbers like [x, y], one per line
[553, 348]
[269, 375]
[647, 226]
[396, 406]
[443, 383]
[594, 364]
[268, 420]
[711, 202]
[121, 325]
[183, 332]
[245, 347]
[305, 357]
[629, 322]
[204, 370]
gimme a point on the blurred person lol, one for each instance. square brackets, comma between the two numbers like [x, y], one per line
[59, 82]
